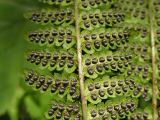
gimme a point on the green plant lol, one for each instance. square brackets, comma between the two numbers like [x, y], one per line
[96, 58]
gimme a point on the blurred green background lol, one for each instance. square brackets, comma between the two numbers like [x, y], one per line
[17, 100]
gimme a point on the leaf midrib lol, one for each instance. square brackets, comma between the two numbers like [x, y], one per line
[154, 81]
[80, 66]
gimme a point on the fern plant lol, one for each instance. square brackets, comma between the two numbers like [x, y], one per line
[96, 58]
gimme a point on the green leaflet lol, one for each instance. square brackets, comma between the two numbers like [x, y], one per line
[99, 18]
[102, 40]
[62, 3]
[52, 37]
[69, 111]
[142, 113]
[59, 60]
[104, 88]
[112, 108]
[57, 85]
[43, 17]
[88, 5]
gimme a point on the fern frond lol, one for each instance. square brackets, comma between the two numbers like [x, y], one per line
[98, 55]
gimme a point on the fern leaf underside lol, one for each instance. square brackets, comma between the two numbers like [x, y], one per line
[97, 59]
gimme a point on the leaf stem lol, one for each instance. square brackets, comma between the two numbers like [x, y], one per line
[80, 66]
[154, 81]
